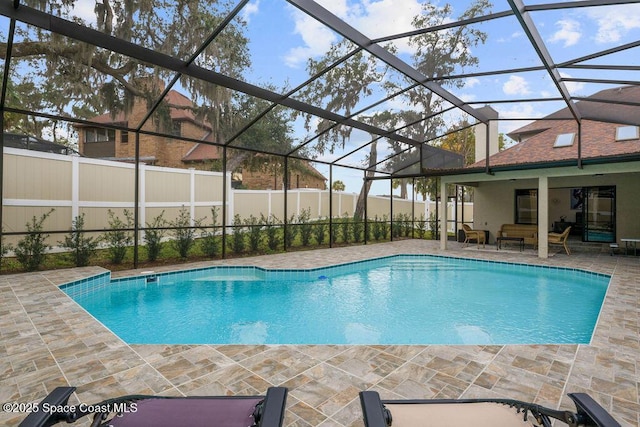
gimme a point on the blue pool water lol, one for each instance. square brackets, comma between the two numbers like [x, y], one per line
[409, 299]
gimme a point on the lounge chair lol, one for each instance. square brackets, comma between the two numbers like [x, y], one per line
[471, 234]
[137, 410]
[560, 239]
[478, 412]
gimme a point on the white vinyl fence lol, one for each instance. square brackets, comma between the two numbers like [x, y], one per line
[36, 182]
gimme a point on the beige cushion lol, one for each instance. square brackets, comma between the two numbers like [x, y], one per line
[457, 415]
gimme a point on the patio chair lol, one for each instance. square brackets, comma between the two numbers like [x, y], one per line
[140, 410]
[560, 239]
[478, 412]
[471, 234]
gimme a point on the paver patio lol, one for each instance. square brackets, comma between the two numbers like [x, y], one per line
[47, 341]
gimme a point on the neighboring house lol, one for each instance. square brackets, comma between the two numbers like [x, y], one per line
[119, 145]
[540, 180]
[27, 142]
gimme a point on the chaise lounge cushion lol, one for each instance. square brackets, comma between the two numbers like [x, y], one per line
[190, 412]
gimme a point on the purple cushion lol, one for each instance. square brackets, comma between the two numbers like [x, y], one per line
[220, 412]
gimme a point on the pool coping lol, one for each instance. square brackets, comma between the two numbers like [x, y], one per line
[47, 340]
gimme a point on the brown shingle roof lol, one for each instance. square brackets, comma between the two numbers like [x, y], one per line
[590, 109]
[173, 98]
[202, 152]
[598, 132]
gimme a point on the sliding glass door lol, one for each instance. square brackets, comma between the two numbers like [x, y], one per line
[600, 214]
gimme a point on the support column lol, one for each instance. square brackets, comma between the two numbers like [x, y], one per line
[443, 214]
[543, 217]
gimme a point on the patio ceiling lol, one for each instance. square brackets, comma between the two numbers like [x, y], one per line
[534, 59]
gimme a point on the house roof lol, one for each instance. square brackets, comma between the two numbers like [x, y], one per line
[611, 105]
[597, 138]
[173, 98]
[202, 152]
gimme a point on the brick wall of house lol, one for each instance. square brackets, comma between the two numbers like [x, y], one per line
[263, 180]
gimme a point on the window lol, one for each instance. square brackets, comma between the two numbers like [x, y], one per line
[124, 137]
[624, 133]
[526, 206]
[90, 135]
[176, 128]
[564, 140]
[99, 135]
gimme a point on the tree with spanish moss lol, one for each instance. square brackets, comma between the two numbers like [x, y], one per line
[434, 54]
[66, 75]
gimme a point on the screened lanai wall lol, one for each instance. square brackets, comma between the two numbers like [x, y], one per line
[378, 96]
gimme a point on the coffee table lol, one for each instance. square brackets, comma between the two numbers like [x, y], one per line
[520, 241]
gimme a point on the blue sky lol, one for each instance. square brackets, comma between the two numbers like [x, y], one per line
[283, 38]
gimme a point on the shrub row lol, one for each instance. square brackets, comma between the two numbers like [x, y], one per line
[251, 235]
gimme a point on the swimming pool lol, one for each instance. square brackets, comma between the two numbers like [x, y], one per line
[403, 299]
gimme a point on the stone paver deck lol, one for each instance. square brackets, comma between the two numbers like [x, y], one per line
[47, 341]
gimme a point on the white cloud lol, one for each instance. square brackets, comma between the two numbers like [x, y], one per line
[515, 111]
[573, 87]
[250, 9]
[316, 38]
[615, 21]
[569, 32]
[516, 85]
[471, 82]
[513, 36]
[468, 97]
[372, 18]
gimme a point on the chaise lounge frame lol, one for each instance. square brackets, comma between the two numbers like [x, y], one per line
[447, 412]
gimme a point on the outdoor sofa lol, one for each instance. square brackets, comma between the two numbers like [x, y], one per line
[529, 232]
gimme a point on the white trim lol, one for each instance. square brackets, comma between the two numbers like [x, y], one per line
[37, 202]
[39, 154]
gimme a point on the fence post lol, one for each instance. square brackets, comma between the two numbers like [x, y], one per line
[142, 195]
[230, 202]
[75, 187]
[192, 196]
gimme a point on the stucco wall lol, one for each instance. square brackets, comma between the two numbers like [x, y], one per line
[495, 201]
